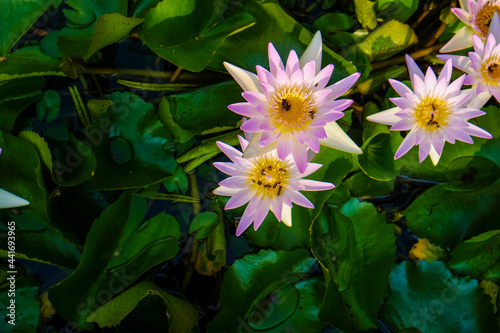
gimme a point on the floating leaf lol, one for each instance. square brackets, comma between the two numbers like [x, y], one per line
[377, 160]
[273, 293]
[354, 244]
[131, 249]
[40, 145]
[184, 315]
[387, 40]
[478, 257]
[366, 14]
[134, 122]
[400, 10]
[427, 297]
[204, 223]
[28, 62]
[26, 310]
[49, 105]
[196, 29]
[248, 48]
[447, 217]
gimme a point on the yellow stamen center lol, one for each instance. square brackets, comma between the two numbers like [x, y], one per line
[484, 16]
[432, 113]
[269, 176]
[292, 108]
[491, 71]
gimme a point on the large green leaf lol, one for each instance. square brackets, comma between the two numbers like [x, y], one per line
[377, 160]
[201, 110]
[427, 297]
[21, 172]
[400, 10]
[16, 17]
[39, 241]
[183, 316]
[118, 250]
[131, 145]
[387, 40]
[448, 217]
[366, 14]
[73, 162]
[273, 294]
[84, 32]
[15, 96]
[478, 257]
[28, 62]
[26, 312]
[248, 49]
[354, 245]
[109, 29]
[195, 28]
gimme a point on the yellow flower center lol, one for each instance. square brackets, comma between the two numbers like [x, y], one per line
[432, 113]
[484, 16]
[292, 108]
[269, 176]
[491, 71]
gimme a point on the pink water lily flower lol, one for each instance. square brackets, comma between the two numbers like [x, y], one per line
[291, 108]
[482, 66]
[9, 200]
[434, 112]
[477, 15]
[266, 183]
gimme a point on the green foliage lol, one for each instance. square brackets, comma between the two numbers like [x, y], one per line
[194, 28]
[366, 13]
[204, 224]
[281, 294]
[426, 296]
[387, 40]
[400, 10]
[131, 249]
[354, 244]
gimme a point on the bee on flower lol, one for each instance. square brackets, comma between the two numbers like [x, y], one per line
[433, 112]
[266, 183]
[290, 108]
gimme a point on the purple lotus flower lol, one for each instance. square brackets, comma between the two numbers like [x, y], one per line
[477, 17]
[266, 183]
[482, 66]
[290, 108]
[433, 112]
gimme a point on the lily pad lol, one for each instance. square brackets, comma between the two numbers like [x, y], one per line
[274, 292]
[425, 296]
[353, 244]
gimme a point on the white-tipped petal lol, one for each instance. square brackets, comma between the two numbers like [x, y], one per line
[248, 81]
[254, 149]
[313, 52]
[9, 200]
[387, 117]
[434, 156]
[461, 40]
[338, 139]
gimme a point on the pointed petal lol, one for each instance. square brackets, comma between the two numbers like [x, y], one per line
[495, 27]
[299, 153]
[286, 215]
[338, 139]
[314, 185]
[400, 87]
[313, 52]
[227, 168]
[275, 61]
[340, 88]
[9, 200]
[292, 63]
[248, 81]
[387, 117]
[254, 149]
[413, 70]
[245, 222]
[407, 144]
[461, 40]
[300, 199]
[239, 199]
[461, 62]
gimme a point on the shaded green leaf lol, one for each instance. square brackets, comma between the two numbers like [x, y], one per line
[478, 257]
[377, 160]
[427, 297]
[49, 105]
[204, 223]
[40, 145]
[400, 10]
[274, 292]
[447, 217]
[28, 62]
[26, 312]
[354, 244]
